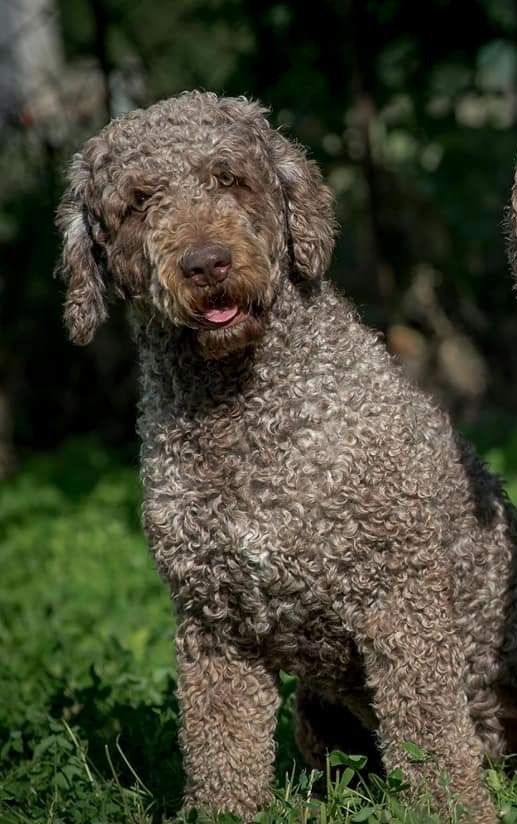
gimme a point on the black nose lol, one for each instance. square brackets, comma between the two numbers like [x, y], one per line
[207, 263]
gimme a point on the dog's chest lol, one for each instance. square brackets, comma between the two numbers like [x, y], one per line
[244, 535]
[263, 492]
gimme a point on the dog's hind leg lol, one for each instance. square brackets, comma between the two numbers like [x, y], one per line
[414, 663]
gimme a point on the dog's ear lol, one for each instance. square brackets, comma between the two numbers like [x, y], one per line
[310, 207]
[85, 303]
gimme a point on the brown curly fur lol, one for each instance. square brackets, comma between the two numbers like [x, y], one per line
[308, 507]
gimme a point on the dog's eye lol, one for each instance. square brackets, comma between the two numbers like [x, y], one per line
[226, 179]
[140, 198]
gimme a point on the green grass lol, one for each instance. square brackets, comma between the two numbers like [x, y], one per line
[88, 715]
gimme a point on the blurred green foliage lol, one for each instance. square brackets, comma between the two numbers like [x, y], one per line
[86, 641]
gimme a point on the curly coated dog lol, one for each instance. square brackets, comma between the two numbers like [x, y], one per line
[309, 508]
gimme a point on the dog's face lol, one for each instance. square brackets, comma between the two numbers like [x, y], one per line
[196, 209]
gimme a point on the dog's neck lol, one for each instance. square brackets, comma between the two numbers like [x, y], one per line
[174, 370]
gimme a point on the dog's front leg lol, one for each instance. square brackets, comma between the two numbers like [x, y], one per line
[228, 703]
[414, 666]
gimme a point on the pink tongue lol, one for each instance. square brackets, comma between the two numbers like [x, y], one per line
[223, 315]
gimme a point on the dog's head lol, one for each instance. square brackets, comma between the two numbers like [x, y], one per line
[194, 207]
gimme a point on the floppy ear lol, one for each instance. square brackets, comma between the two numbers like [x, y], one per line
[85, 305]
[310, 208]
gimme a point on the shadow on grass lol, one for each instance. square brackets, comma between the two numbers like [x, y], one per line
[135, 739]
[78, 465]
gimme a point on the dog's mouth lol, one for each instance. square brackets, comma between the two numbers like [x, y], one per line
[225, 323]
[224, 315]
[222, 310]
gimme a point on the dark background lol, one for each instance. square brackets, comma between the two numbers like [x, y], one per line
[411, 110]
